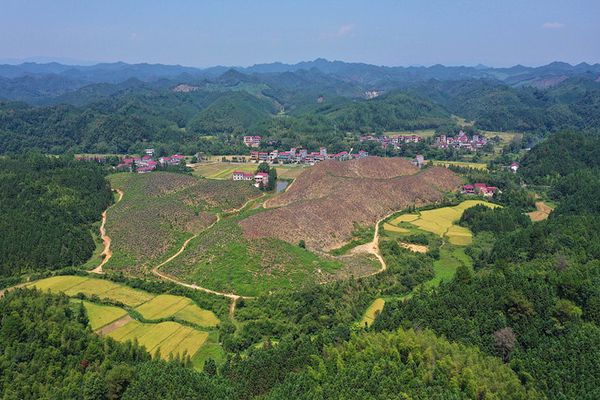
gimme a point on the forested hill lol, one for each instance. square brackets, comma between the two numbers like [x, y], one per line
[190, 112]
[48, 206]
[561, 155]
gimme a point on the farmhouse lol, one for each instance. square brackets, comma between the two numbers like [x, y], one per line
[514, 167]
[418, 161]
[252, 141]
[480, 189]
[261, 179]
[242, 176]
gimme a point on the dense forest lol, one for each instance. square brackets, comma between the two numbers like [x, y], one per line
[48, 206]
[210, 113]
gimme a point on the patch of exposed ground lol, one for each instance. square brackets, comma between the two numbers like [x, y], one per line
[325, 201]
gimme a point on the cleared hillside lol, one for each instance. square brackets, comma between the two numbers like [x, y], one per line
[159, 210]
[325, 203]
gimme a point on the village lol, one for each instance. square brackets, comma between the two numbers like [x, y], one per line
[461, 141]
[297, 155]
[147, 162]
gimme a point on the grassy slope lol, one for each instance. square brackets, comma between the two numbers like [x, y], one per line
[222, 259]
[159, 211]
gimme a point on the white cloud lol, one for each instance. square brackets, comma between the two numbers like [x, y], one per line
[344, 30]
[339, 32]
[553, 25]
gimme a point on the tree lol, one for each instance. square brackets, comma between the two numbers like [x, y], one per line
[505, 340]
[210, 367]
[302, 244]
[82, 317]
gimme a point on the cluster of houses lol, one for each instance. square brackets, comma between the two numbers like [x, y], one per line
[260, 178]
[481, 189]
[302, 156]
[462, 141]
[394, 141]
[147, 163]
[252, 141]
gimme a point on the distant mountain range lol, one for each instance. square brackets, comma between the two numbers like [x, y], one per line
[45, 83]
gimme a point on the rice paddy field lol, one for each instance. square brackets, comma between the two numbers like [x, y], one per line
[441, 222]
[149, 305]
[101, 315]
[425, 133]
[171, 338]
[223, 170]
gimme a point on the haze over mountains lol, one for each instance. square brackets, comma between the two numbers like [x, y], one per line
[34, 82]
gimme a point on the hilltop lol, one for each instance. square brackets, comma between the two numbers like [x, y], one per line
[326, 202]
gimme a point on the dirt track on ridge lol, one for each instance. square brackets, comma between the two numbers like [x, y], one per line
[107, 252]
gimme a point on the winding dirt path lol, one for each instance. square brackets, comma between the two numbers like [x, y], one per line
[107, 252]
[234, 297]
[373, 248]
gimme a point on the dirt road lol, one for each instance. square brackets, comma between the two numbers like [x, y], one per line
[106, 253]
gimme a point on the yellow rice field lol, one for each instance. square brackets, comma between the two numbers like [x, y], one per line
[167, 337]
[392, 228]
[441, 221]
[149, 305]
[101, 315]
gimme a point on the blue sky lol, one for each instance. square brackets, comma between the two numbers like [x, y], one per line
[235, 32]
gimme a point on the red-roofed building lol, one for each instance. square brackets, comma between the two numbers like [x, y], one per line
[242, 176]
[261, 178]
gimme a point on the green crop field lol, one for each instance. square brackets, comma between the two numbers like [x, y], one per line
[222, 259]
[101, 315]
[211, 349]
[442, 222]
[223, 170]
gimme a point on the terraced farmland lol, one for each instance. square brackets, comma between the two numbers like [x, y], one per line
[171, 337]
[149, 305]
[159, 211]
[104, 289]
[440, 222]
[464, 164]
[101, 315]
[166, 305]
